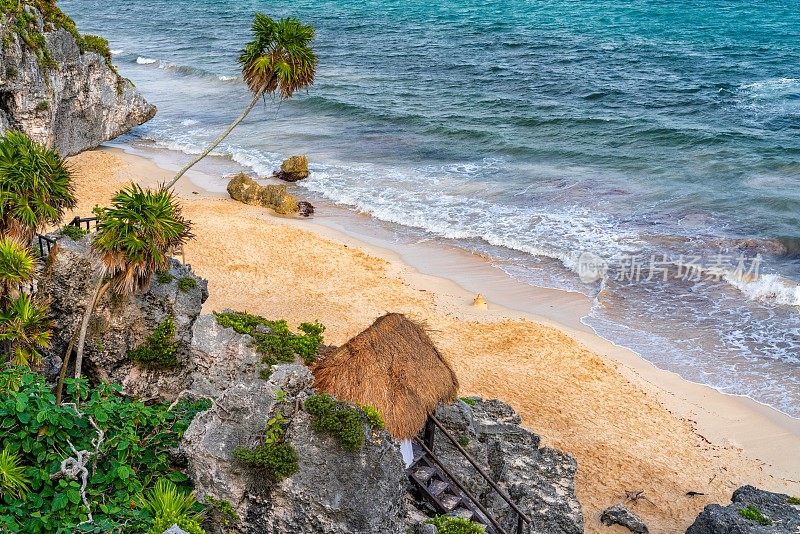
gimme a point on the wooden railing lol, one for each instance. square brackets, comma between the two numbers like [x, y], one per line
[428, 438]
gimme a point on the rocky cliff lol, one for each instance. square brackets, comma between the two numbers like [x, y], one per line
[60, 87]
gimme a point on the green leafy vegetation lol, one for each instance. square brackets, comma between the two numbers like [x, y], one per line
[98, 45]
[273, 339]
[44, 105]
[337, 418]
[463, 441]
[455, 525]
[163, 277]
[74, 232]
[160, 348]
[374, 417]
[35, 186]
[469, 400]
[26, 329]
[187, 283]
[223, 513]
[133, 454]
[11, 72]
[754, 514]
[794, 500]
[13, 480]
[170, 506]
[273, 456]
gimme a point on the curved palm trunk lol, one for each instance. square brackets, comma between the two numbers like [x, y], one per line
[216, 141]
[87, 315]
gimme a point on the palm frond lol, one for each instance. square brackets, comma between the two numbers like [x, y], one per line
[279, 58]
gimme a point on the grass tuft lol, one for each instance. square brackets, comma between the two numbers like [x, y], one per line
[754, 514]
[337, 418]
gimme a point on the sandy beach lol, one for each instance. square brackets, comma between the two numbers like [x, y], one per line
[630, 426]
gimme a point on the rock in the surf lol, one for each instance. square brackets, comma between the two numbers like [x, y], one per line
[276, 197]
[293, 169]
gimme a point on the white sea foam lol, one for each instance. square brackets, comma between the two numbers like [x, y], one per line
[145, 60]
[117, 51]
[227, 78]
[188, 122]
[768, 288]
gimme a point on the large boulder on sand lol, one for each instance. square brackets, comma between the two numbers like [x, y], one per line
[333, 491]
[293, 169]
[775, 511]
[276, 197]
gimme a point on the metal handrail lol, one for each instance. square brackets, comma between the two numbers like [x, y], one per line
[461, 487]
[480, 470]
[79, 221]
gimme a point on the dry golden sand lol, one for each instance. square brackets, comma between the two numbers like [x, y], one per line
[621, 436]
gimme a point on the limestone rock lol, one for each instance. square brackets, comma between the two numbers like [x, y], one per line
[74, 107]
[119, 325]
[334, 491]
[293, 169]
[716, 519]
[539, 480]
[306, 209]
[276, 197]
[620, 515]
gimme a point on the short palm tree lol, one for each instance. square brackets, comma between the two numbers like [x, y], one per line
[134, 239]
[279, 59]
[26, 329]
[35, 186]
[16, 269]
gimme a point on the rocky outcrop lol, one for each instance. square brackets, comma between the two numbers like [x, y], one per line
[752, 511]
[119, 325]
[619, 515]
[333, 491]
[73, 101]
[539, 480]
[276, 197]
[293, 169]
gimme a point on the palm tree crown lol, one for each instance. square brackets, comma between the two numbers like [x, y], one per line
[35, 186]
[26, 327]
[136, 235]
[279, 58]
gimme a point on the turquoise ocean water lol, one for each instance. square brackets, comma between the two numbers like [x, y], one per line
[659, 137]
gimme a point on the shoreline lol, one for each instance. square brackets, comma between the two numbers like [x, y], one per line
[441, 281]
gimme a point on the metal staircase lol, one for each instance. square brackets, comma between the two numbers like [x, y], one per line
[445, 493]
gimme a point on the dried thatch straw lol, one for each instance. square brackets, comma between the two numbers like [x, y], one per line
[393, 366]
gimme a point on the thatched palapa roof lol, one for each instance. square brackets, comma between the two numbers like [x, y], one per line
[394, 367]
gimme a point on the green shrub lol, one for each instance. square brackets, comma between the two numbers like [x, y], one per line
[44, 105]
[73, 232]
[277, 344]
[164, 277]
[339, 419]
[96, 44]
[222, 511]
[133, 455]
[167, 505]
[754, 514]
[794, 500]
[374, 417]
[273, 456]
[187, 283]
[11, 72]
[455, 525]
[469, 400]
[463, 441]
[159, 351]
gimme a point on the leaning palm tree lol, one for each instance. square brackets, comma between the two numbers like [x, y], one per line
[35, 186]
[134, 239]
[279, 59]
[26, 329]
[16, 269]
